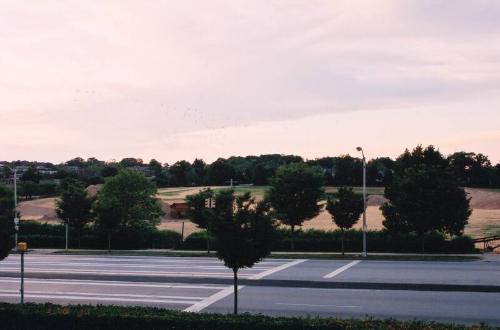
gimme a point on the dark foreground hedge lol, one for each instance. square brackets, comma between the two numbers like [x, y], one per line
[55, 317]
[40, 235]
[330, 241]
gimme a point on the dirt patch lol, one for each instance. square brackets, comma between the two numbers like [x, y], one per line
[483, 199]
[39, 209]
[484, 221]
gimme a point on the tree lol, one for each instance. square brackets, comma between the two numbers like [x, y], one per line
[294, 194]
[220, 172]
[345, 209]
[199, 213]
[74, 207]
[131, 162]
[124, 200]
[425, 197]
[181, 174]
[243, 231]
[31, 175]
[200, 171]
[6, 221]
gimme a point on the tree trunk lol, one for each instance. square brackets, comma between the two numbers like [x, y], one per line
[109, 241]
[67, 243]
[208, 240]
[292, 239]
[423, 242]
[343, 232]
[235, 273]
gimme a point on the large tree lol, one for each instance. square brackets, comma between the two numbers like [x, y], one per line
[295, 194]
[345, 209]
[243, 231]
[425, 196]
[74, 207]
[199, 212]
[6, 221]
[126, 199]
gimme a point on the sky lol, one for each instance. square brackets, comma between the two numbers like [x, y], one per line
[189, 79]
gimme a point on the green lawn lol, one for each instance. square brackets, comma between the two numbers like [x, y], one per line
[261, 190]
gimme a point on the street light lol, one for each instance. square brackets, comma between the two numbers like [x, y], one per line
[364, 201]
[16, 219]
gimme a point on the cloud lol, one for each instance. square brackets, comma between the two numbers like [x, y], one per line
[121, 74]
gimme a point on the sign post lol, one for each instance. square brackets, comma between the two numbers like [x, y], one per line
[23, 248]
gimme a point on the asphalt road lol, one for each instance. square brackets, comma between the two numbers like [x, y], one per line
[460, 292]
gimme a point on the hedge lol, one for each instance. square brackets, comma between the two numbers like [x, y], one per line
[55, 317]
[143, 237]
[312, 240]
[39, 235]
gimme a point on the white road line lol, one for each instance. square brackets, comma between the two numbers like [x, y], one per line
[201, 305]
[94, 298]
[102, 294]
[110, 283]
[276, 269]
[341, 269]
[128, 272]
[132, 266]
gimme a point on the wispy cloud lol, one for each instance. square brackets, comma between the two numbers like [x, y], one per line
[116, 78]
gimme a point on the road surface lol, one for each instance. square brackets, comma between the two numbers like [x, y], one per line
[460, 292]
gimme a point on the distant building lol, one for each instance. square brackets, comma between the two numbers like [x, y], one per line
[179, 210]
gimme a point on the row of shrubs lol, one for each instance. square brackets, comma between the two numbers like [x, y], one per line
[147, 237]
[330, 241]
[40, 235]
[55, 317]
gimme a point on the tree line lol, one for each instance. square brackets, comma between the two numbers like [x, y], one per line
[470, 169]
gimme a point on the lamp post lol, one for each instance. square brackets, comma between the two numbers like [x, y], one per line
[364, 254]
[16, 219]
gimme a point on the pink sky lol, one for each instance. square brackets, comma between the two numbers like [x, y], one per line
[182, 79]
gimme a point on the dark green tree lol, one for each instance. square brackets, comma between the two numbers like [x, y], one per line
[424, 197]
[126, 199]
[6, 221]
[220, 172]
[243, 231]
[200, 171]
[74, 207]
[345, 209]
[294, 194]
[181, 174]
[199, 213]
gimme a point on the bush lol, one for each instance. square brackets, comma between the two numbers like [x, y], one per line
[198, 241]
[54, 317]
[378, 241]
[39, 235]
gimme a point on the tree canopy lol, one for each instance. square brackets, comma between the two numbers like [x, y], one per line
[425, 196]
[127, 199]
[295, 194]
[345, 209]
[6, 221]
[243, 231]
[74, 206]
